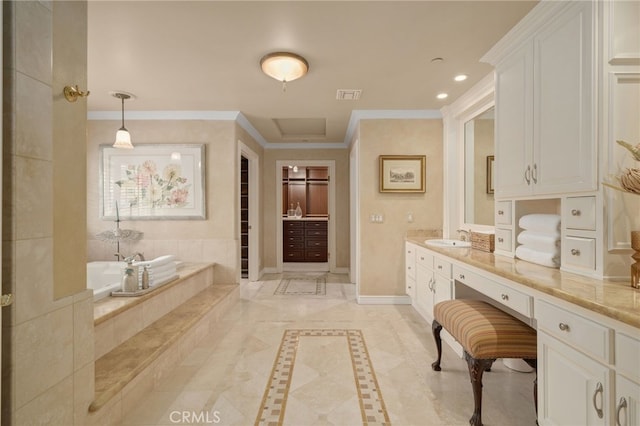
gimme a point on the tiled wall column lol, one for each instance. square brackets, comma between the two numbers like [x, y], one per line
[47, 348]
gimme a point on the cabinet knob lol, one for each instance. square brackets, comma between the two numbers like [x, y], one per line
[500, 212]
[500, 240]
[575, 252]
[575, 212]
[461, 276]
[564, 327]
[408, 267]
[504, 296]
[421, 258]
[439, 266]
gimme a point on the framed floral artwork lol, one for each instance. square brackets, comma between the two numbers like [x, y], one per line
[402, 173]
[152, 182]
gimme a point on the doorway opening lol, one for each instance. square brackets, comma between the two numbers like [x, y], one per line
[244, 217]
[305, 229]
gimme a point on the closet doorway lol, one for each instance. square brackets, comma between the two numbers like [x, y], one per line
[305, 228]
[248, 206]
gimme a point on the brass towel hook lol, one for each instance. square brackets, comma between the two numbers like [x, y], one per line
[73, 93]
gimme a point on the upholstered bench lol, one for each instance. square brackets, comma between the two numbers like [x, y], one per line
[485, 333]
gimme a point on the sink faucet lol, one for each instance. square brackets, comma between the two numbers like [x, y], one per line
[463, 234]
[139, 256]
[121, 256]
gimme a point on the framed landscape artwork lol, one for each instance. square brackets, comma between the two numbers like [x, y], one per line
[402, 173]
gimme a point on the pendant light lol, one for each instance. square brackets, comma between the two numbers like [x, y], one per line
[123, 138]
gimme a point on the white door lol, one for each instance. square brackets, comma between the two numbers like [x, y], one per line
[627, 408]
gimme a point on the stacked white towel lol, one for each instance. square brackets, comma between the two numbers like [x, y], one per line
[540, 240]
[161, 269]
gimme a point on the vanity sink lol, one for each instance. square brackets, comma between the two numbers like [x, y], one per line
[448, 243]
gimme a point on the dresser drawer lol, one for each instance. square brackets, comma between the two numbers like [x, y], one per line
[293, 256]
[578, 252]
[513, 299]
[317, 243]
[503, 213]
[628, 356]
[315, 232]
[582, 333]
[580, 213]
[316, 225]
[424, 258]
[503, 239]
[442, 267]
[293, 224]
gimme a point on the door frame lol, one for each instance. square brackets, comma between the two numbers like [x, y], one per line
[254, 207]
[331, 236]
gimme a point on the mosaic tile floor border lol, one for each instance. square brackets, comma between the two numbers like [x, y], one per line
[274, 401]
[320, 288]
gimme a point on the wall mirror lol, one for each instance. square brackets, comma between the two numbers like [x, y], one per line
[478, 168]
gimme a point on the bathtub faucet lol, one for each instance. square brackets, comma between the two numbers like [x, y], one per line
[121, 256]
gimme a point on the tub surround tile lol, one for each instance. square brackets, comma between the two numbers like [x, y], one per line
[614, 299]
[33, 105]
[34, 198]
[33, 40]
[83, 333]
[83, 391]
[49, 408]
[149, 347]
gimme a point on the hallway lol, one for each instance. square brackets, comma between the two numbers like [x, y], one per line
[298, 350]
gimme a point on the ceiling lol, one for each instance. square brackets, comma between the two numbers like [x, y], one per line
[204, 56]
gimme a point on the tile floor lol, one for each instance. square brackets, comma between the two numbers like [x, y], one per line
[321, 359]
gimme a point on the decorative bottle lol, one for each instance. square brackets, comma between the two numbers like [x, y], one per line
[298, 211]
[129, 281]
[145, 277]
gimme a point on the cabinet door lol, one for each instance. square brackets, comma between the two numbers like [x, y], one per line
[514, 121]
[564, 147]
[441, 290]
[627, 409]
[573, 389]
[424, 293]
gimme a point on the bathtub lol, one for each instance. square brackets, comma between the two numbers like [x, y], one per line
[104, 277]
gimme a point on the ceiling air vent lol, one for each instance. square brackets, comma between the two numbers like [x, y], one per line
[348, 94]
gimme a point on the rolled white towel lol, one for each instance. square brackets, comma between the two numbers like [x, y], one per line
[160, 269]
[541, 242]
[162, 279]
[540, 222]
[539, 257]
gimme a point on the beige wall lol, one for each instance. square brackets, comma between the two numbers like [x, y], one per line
[382, 244]
[212, 240]
[47, 356]
[271, 211]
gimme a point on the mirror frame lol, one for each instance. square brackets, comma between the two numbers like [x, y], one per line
[472, 103]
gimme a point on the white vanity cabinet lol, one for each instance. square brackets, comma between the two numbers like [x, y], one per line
[627, 395]
[433, 282]
[545, 140]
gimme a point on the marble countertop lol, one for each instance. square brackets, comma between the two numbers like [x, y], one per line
[614, 299]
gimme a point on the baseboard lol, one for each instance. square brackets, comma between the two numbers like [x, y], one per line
[305, 267]
[384, 300]
[270, 270]
[341, 270]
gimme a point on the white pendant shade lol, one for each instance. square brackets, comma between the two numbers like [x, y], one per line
[123, 139]
[284, 66]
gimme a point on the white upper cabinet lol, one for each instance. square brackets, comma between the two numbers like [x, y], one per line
[545, 107]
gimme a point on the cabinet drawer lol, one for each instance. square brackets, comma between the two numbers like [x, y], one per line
[579, 252]
[586, 335]
[503, 239]
[580, 213]
[410, 286]
[316, 243]
[291, 224]
[424, 258]
[294, 246]
[293, 256]
[293, 231]
[503, 213]
[315, 232]
[313, 255]
[316, 225]
[442, 267]
[628, 356]
[513, 299]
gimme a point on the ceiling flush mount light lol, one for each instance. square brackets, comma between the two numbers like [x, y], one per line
[442, 96]
[284, 66]
[123, 138]
[460, 77]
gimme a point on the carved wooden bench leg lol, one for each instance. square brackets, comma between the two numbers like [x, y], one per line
[436, 328]
[476, 368]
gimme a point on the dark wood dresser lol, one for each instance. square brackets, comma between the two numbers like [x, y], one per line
[304, 241]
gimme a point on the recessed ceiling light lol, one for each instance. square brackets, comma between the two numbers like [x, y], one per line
[442, 96]
[460, 77]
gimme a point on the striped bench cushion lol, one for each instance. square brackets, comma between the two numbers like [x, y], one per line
[484, 331]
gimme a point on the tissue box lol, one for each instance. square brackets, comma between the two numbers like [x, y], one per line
[482, 241]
